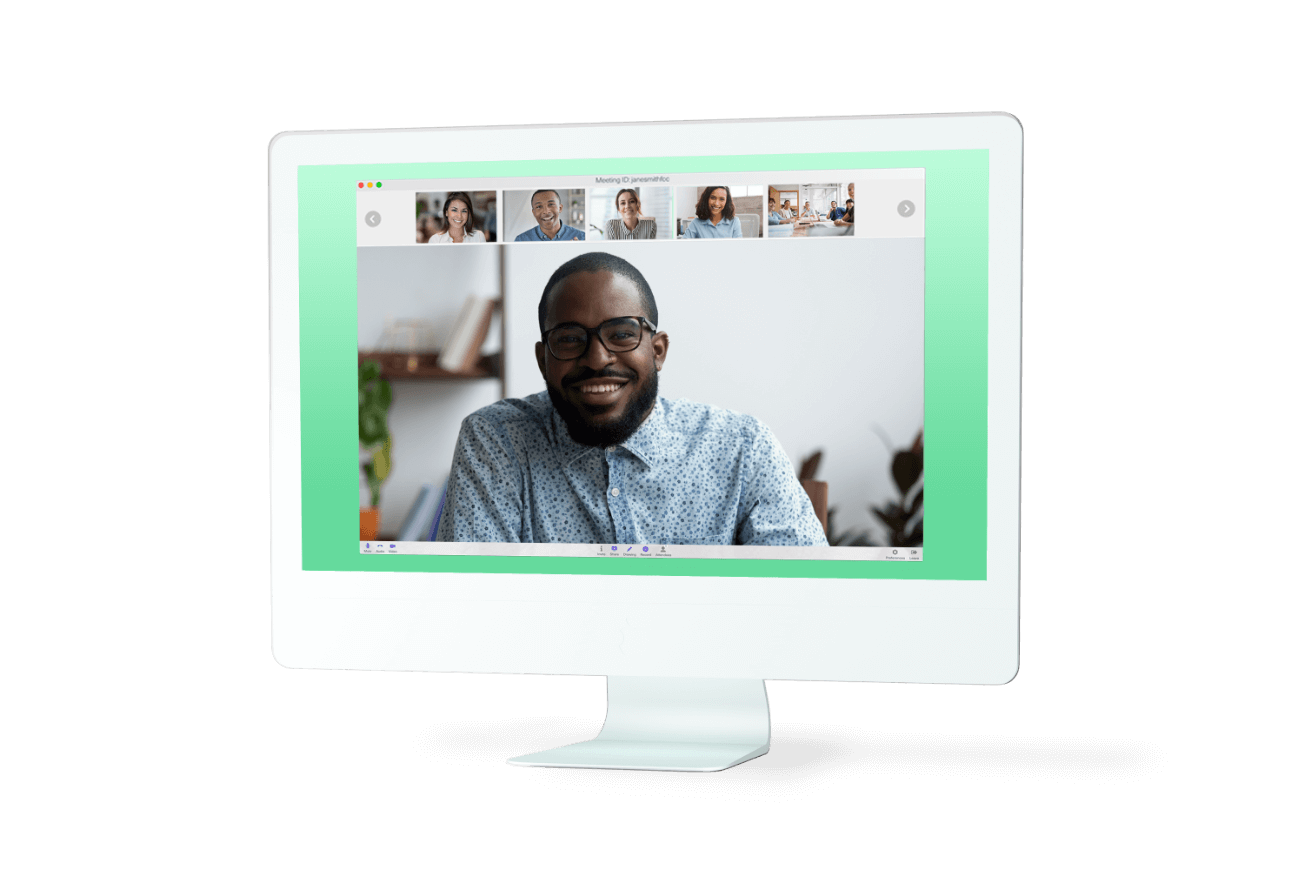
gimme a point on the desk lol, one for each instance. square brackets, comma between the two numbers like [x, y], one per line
[801, 227]
[822, 227]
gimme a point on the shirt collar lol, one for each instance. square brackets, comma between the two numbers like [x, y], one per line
[646, 442]
[643, 445]
[568, 447]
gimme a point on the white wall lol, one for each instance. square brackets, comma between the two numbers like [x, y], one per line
[853, 310]
[517, 217]
[685, 203]
[428, 282]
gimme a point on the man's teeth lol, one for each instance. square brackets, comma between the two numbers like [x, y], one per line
[600, 388]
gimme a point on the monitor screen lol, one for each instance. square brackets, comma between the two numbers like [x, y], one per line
[694, 366]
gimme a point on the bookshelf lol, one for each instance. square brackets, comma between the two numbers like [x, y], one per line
[401, 365]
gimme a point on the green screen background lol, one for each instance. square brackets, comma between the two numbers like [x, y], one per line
[955, 366]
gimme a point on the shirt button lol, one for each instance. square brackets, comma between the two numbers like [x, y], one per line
[615, 490]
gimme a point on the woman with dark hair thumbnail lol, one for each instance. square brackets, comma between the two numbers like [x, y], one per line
[848, 218]
[459, 221]
[715, 216]
[631, 224]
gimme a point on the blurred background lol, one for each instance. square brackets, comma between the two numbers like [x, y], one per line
[749, 207]
[430, 213]
[517, 216]
[755, 327]
[657, 204]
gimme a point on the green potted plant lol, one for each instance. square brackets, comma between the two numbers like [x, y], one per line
[903, 519]
[374, 398]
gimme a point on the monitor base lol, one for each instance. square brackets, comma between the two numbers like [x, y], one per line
[643, 755]
[668, 723]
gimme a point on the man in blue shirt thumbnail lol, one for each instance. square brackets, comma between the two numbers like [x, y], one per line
[546, 206]
[834, 212]
[600, 458]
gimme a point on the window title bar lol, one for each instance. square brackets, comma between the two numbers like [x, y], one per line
[817, 176]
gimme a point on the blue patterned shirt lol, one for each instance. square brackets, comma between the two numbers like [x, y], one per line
[567, 233]
[691, 474]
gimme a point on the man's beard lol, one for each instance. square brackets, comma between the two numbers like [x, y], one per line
[612, 433]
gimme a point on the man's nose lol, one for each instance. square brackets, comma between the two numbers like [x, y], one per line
[596, 356]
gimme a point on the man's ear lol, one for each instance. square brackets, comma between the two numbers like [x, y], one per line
[660, 347]
[538, 356]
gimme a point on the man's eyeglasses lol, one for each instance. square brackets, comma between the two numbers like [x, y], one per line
[618, 335]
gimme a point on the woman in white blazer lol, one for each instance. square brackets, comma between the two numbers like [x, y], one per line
[459, 221]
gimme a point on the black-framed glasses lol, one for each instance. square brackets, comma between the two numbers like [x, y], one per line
[618, 335]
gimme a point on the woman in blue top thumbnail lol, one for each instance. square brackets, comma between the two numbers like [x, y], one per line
[715, 217]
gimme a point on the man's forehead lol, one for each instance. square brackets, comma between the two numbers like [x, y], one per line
[594, 296]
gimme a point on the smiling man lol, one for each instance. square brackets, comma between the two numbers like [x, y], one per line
[546, 206]
[599, 457]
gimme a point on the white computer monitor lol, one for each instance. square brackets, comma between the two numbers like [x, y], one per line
[624, 410]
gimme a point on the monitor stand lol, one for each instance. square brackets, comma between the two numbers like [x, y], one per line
[669, 723]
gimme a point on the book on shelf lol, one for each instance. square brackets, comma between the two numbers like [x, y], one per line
[421, 505]
[439, 511]
[453, 347]
[421, 516]
[461, 351]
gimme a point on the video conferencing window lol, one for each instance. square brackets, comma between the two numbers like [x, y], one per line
[707, 366]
